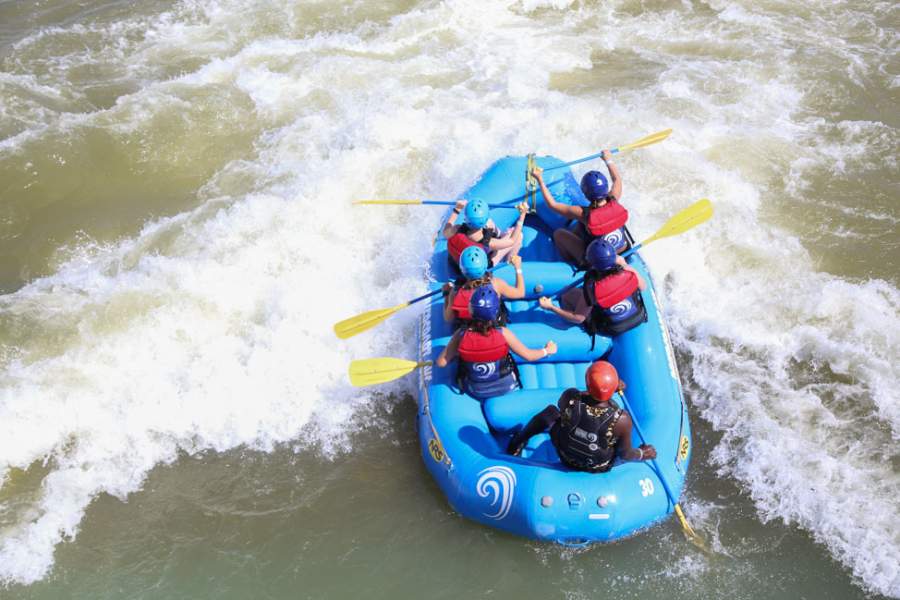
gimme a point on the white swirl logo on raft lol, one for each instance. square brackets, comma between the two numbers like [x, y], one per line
[500, 484]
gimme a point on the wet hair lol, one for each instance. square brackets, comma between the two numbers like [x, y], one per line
[482, 327]
[596, 201]
[471, 284]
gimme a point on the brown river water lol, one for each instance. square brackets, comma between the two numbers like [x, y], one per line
[177, 239]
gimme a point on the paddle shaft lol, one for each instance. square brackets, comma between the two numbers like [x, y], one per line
[424, 296]
[653, 138]
[442, 203]
[581, 160]
[511, 203]
[417, 203]
[438, 291]
[652, 462]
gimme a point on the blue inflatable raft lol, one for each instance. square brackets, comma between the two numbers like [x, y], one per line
[463, 440]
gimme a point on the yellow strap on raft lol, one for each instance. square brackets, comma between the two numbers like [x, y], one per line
[531, 184]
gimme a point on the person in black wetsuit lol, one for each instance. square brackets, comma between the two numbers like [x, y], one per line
[587, 430]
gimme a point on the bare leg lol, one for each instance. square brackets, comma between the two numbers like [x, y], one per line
[570, 246]
[540, 422]
[573, 301]
[499, 256]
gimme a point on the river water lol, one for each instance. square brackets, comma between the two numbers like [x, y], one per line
[176, 240]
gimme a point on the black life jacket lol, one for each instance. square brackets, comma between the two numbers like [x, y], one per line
[584, 435]
[615, 301]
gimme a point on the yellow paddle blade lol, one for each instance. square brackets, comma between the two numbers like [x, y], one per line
[372, 371]
[698, 212]
[387, 202]
[365, 321]
[689, 532]
[653, 138]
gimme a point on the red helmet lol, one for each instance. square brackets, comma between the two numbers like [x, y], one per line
[602, 380]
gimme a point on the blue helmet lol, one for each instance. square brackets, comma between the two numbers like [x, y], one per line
[473, 262]
[594, 185]
[601, 255]
[484, 305]
[477, 213]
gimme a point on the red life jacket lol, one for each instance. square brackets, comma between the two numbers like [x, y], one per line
[460, 306]
[616, 302]
[461, 303]
[477, 348]
[605, 219]
[458, 243]
[612, 289]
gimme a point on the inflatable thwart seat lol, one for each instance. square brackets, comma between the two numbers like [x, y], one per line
[463, 440]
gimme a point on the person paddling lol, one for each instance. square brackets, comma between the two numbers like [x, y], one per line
[603, 218]
[609, 301]
[473, 262]
[486, 367]
[480, 230]
[588, 430]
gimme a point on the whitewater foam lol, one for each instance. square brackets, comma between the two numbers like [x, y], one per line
[210, 329]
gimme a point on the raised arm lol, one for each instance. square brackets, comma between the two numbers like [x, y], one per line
[449, 351]
[624, 448]
[511, 240]
[616, 190]
[525, 352]
[504, 289]
[621, 262]
[449, 315]
[564, 210]
[450, 226]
